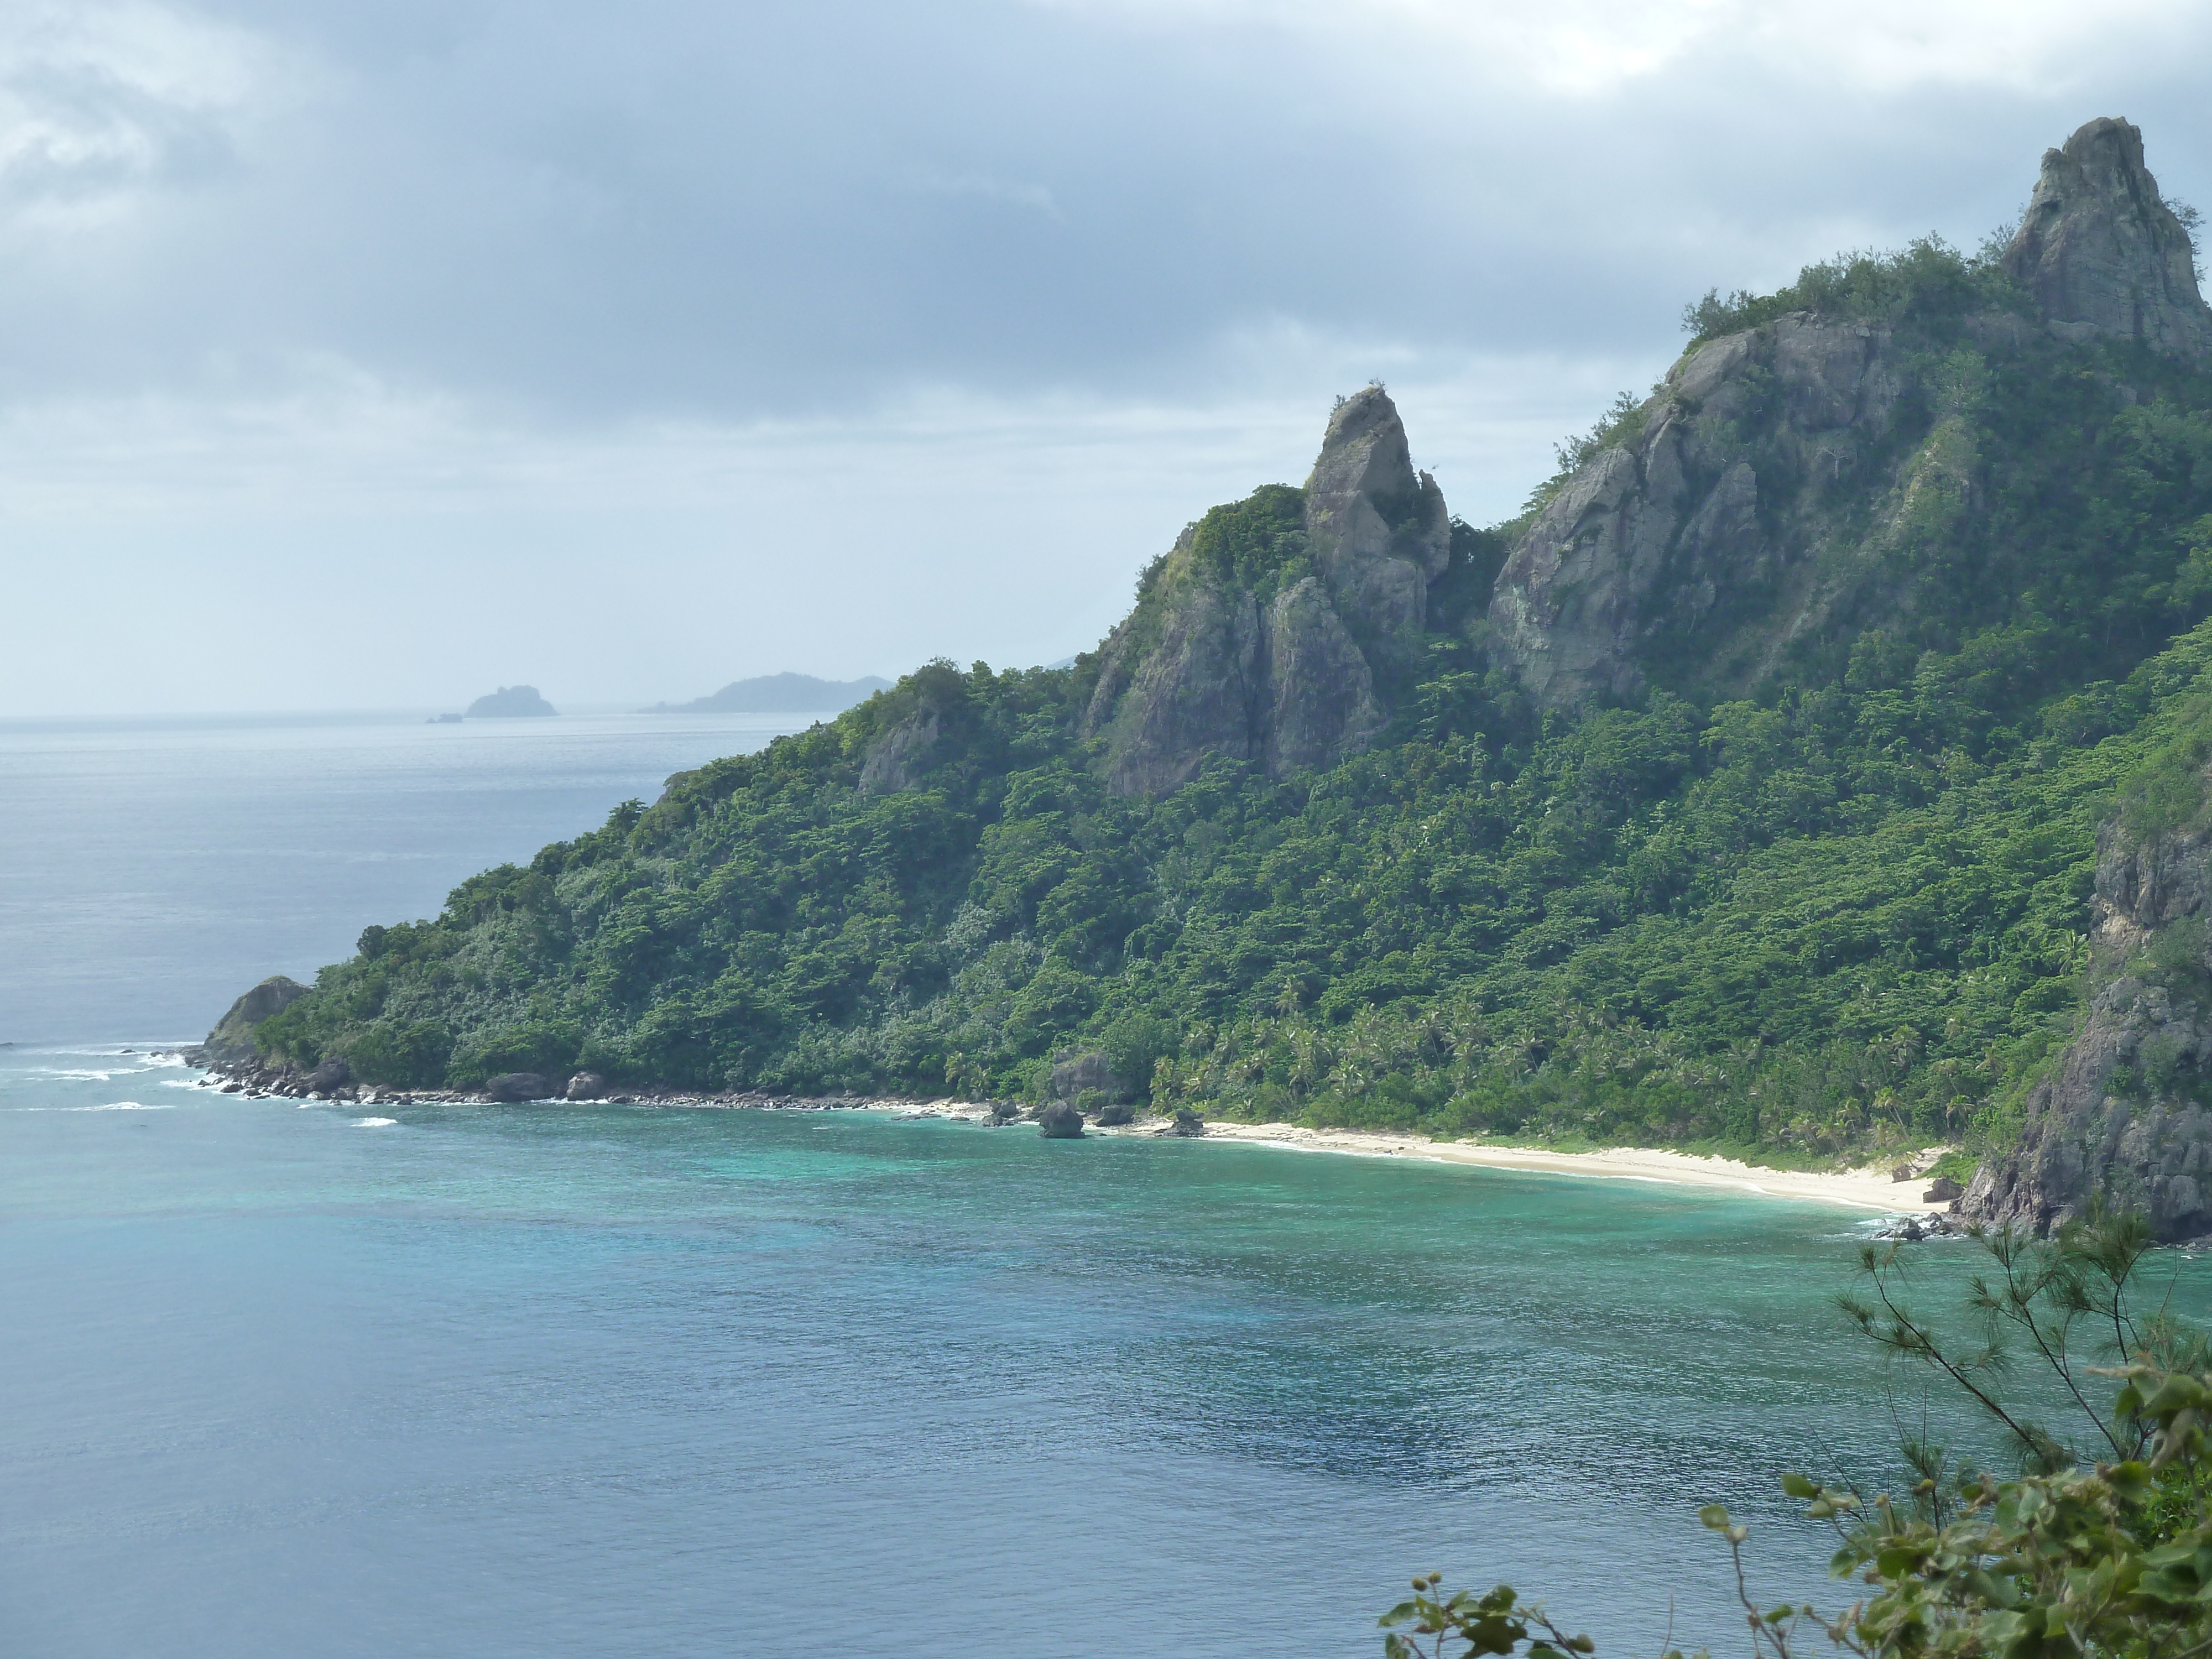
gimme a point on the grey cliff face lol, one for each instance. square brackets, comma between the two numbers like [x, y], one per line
[2115, 1119]
[1193, 692]
[1289, 679]
[903, 754]
[1320, 693]
[2100, 253]
[1689, 535]
[1717, 534]
[232, 1040]
[1378, 533]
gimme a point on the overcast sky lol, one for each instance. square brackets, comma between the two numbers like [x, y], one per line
[372, 355]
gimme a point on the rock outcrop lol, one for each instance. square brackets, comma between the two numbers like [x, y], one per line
[1723, 526]
[1291, 671]
[1074, 1073]
[2119, 1114]
[1697, 536]
[1378, 533]
[232, 1040]
[2100, 253]
[899, 757]
[1060, 1121]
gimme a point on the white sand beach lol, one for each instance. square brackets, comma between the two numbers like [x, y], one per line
[1870, 1189]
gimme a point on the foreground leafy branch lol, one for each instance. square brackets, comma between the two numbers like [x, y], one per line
[2074, 1556]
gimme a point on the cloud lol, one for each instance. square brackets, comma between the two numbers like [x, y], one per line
[1585, 48]
[102, 102]
[896, 329]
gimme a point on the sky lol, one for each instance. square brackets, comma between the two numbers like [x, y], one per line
[372, 355]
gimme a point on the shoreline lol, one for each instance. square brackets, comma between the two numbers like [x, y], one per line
[1867, 1190]
[1870, 1189]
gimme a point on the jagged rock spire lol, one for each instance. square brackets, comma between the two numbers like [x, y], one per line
[1294, 676]
[1378, 533]
[2101, 253]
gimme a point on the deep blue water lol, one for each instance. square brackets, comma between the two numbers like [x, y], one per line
[554, 1381]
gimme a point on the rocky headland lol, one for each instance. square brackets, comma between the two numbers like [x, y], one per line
[1744, 790]
[2122, 1115]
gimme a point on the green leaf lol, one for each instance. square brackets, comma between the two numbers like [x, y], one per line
[1715, 1515]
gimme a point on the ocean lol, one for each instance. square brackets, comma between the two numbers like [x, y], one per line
[285, 1380]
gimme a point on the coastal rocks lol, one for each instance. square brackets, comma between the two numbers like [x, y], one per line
[232, 1039]
[1060, 1121]
[1285, 664]
[1115, 1114]
[1942, 1190]
[513, 1087]
[2119, 1116]
[330, 1076]
[585, 1086]
[2101, 253]
[1913, 1229]
[1187, 1123]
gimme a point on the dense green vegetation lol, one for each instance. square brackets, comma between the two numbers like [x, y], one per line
[1850, 907]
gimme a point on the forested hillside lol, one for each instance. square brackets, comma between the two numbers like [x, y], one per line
[1745, 788]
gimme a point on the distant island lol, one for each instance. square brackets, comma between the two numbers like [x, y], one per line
[778, 694]
[510, 702]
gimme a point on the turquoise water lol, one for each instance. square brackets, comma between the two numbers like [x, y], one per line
[492, 1382]
[553, 1381]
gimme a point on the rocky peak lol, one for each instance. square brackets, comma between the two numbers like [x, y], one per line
[2101, 253]
[1296, 669]
[1379, 532]
[1727, 525]
[1364, 451]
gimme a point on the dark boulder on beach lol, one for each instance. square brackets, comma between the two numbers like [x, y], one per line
[517, 1086]
[1060, 1121]
[1187, 1123]
[330, 1074]
[585, 1086]
[1116, 1114]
